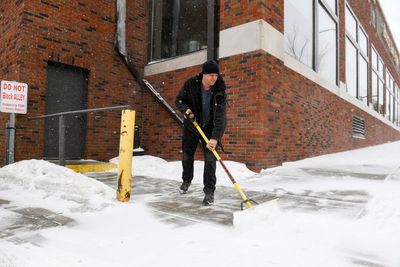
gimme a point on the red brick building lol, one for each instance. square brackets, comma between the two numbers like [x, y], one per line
[304, 78]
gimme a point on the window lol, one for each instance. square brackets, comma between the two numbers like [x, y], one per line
[351, 24]
[299, 30]
[388, 106]
[374, 97]
[351, 68]
[312, 38]
[380, 67]
[363, 79]
[327, 45]
[377, 82]
[332, 5]
[356, 58]
[397, 105]
[363, 41]
[178, 27]
[380, 97]
[389, 112]
[374, 60]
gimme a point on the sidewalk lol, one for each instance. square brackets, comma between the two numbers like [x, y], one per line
[164, 199]
[183, 209]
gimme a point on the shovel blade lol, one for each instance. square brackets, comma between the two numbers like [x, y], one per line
[259, 213]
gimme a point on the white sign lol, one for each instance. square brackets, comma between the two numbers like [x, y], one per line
[14, 97]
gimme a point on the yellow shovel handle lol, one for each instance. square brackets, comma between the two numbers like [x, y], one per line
[235, 184]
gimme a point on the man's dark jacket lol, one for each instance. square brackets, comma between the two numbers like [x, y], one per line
[190, 97]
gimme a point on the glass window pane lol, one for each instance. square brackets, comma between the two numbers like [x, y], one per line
[351, 68]
[363, 41]
[332, 5]
[397, 92]
[327, 51]
[380, 67]
[363, 80]
[389, 82]
[351, 24]
[175, 32]
[374, 91]
[380, 96]
[299, 30]
[388, 106]
[374, 59]
[391, 108]
[397, 110]
[393, 87]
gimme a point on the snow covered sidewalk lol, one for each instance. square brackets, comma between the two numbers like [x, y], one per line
[336, 210]
[164, 200]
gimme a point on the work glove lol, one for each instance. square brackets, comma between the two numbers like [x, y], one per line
[188, 114]
[212, 144]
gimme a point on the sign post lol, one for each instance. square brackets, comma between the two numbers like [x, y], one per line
[13, 99]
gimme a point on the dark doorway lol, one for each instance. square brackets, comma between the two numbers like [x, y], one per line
[66, 90]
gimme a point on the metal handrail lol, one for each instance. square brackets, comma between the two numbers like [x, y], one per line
[61, 123]
[80, 111]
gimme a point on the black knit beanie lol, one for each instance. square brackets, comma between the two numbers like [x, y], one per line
[210, 66]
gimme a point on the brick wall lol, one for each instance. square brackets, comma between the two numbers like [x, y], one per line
[237, 12]
[274, 114]
[80, 34]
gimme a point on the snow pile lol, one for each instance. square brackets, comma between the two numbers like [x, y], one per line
[377, 231]
[384, 156]
[44, 184]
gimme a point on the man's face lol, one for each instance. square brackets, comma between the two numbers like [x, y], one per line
[209, 79]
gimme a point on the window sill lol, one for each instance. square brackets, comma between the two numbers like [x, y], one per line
[181, 62]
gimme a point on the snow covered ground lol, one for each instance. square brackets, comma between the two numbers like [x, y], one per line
[96, 230]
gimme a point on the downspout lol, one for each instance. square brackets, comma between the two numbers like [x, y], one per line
[211, 30]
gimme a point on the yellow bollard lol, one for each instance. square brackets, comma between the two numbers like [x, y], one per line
[125, 155]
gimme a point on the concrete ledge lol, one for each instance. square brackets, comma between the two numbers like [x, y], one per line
[251, 36]
[181, 62]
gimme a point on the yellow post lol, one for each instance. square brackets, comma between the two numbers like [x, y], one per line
[125, 155]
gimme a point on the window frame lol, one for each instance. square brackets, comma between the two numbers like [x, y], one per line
[150, 54]
[360, 53]
[333, 14]
[380, 78]
[389, 112]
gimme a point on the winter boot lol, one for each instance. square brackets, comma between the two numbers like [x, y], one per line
[208, 199]
[184, 187]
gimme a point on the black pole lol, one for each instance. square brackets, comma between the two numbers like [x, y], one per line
[61, 140]
[7, 131]
[211, 30]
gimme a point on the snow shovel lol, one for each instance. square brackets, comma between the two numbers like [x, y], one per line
[246, 201]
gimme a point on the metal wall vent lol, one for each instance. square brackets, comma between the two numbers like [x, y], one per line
[358, 127]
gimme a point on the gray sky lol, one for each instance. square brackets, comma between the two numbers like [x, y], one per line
[391, 8]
